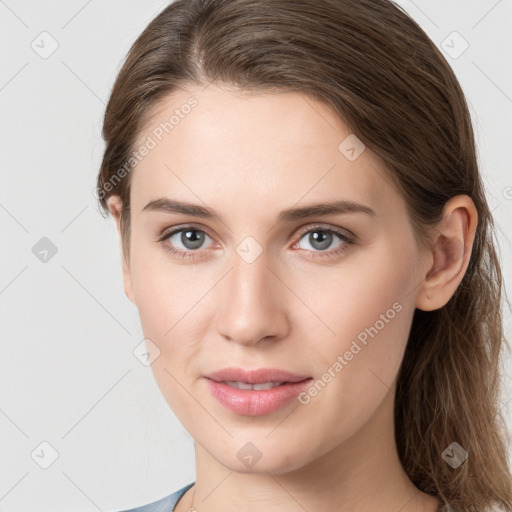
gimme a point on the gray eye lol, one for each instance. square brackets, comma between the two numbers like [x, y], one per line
[190, 238]
[320, 239]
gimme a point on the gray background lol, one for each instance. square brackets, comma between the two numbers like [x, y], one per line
[68, 376]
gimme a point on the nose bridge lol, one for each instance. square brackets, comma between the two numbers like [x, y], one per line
[250, 275]
[250, 307]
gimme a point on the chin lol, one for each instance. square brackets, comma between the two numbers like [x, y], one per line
[265, 458]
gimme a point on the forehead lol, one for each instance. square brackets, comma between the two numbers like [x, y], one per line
[268, 147]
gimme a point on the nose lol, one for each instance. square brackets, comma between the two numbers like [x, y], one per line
[253, 304]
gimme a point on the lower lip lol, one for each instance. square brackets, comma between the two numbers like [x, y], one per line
[249, 402]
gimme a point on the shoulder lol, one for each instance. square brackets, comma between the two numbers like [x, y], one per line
[165, 504]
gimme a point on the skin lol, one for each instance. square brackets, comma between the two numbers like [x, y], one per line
[248, 157]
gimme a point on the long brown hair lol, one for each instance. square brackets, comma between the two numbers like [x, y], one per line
[373, 64]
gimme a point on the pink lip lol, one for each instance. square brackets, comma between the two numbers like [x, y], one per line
[255, 376]
[250, 402]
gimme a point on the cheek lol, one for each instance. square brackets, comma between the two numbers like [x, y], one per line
[175, 307]
[167, 299]
[352, 296]
[370, 308]
[164, 291]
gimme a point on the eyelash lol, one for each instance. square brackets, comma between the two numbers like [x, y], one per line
[190, 254]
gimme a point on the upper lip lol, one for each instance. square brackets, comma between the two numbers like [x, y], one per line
[255, 376]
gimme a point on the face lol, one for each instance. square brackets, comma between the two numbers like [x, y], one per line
[327, 295]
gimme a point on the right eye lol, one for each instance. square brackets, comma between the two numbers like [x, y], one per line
[190, 238]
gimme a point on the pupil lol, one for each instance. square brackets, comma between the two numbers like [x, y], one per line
[322, 241]
[191, 240]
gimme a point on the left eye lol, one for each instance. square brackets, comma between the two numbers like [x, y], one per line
[321, 239]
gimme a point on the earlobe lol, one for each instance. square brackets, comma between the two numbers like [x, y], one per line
[115, 206]
[127, 281]
[450, 253]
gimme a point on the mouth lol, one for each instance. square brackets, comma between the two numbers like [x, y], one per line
[267, 376]
[257, 387]
[255, 392]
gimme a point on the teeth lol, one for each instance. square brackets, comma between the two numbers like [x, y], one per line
[257, 387]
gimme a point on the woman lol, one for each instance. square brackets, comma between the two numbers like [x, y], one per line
[307, 240]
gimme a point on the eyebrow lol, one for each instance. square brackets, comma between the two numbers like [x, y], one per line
[292, 214]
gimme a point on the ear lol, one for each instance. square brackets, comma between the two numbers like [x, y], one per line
[450, 252]
[115, 206]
